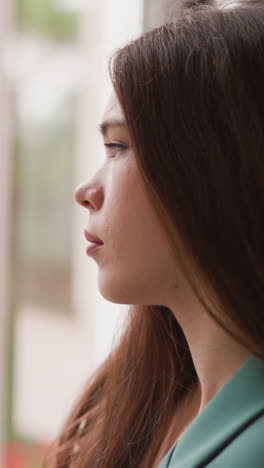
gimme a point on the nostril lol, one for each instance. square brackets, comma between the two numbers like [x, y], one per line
[83, 196]
[86, 204]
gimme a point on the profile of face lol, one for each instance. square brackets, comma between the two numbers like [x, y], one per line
[135, 262]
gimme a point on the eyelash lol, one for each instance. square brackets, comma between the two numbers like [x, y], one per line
[116, 147]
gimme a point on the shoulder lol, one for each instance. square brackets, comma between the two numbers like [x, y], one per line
[245, 450]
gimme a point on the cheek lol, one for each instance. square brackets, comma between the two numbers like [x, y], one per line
[131, 219]
[138, 241]
[123, 198]
[137, 260]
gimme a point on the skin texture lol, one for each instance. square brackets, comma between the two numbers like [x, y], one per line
[136, 265]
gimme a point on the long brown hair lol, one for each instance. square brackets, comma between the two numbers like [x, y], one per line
[193, 97]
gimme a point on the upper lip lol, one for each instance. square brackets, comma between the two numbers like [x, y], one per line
[92, 238]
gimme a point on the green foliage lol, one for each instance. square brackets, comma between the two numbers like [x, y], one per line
[40, 17]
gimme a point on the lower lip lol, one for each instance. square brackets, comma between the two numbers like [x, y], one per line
[92, 248]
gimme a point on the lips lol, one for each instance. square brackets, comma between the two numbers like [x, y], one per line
[92, 238]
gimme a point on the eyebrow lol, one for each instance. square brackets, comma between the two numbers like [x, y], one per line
[104, 126]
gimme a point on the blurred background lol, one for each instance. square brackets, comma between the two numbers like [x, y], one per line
[55, 328]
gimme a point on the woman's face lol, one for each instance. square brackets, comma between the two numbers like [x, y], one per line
[135, 262]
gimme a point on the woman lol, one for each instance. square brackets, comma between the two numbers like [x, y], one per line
[178, 208]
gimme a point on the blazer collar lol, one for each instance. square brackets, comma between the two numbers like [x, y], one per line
[235, 406]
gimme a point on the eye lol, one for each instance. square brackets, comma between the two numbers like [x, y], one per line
[113, 149]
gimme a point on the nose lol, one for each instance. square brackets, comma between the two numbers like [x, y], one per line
[87, 196]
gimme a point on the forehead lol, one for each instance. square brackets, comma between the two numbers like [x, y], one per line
[113, 110]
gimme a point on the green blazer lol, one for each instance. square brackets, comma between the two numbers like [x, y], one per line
[229, 432]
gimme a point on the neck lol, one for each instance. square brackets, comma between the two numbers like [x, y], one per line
[216, 355]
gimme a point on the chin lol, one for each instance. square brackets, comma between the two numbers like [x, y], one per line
[116, 292]
[115, 297]
[121, 289]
